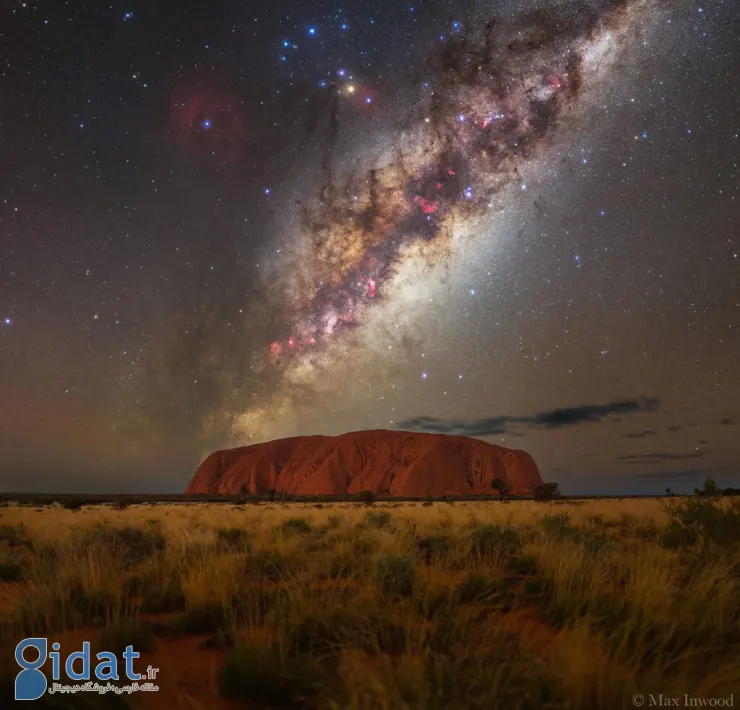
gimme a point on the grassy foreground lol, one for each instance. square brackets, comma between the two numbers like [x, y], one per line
[431, 606]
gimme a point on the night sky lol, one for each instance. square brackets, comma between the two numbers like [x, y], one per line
[223, 223]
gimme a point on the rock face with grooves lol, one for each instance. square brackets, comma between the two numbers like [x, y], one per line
[395, 463]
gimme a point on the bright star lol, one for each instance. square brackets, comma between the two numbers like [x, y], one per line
[128, 16]
[312, 31]
[8, 321]
[267, 191]
[206, 124]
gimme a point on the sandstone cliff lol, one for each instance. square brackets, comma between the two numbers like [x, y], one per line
[395, 463]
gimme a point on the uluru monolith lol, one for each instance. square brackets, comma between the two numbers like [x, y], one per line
[392, 463]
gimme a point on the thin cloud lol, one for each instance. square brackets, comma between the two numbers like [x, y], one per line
[640, 434]
[549, 419]
[677, 475]
[659, 457]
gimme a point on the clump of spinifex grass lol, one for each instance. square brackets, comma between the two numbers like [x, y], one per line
[439, 607]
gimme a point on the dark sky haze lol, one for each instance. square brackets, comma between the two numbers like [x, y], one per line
[228, 222]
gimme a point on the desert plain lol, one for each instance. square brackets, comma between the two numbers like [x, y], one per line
[430, 605]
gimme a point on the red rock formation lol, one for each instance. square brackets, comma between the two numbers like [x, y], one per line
[396, 463]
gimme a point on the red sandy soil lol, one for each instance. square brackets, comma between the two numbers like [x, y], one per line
[395, 463]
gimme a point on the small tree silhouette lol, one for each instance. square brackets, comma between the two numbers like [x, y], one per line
[271, 494]
[546, 491]
[710, 487]
[502, 487]
[366, 497]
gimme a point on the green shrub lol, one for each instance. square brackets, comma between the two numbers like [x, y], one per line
[701, 523]
[315, 635]
[10, 568]
[14, 535]
[378, 519]
[267, 678]
[493, 539]
[201, 619]
[558, 524]
[366, 497]
[233, 537]
[159, 589]
[136, 543]
[395, 575]
[477, 589]
[433, 548]
[296, 526]
[546, 491]
[267, 565]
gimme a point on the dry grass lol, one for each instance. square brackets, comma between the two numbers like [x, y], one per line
[467, 605]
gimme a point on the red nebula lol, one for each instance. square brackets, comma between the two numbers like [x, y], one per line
[371, 288]
[207, 120]
[427, 206]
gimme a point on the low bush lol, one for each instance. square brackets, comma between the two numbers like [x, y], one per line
[395, 575]
[267, 678]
